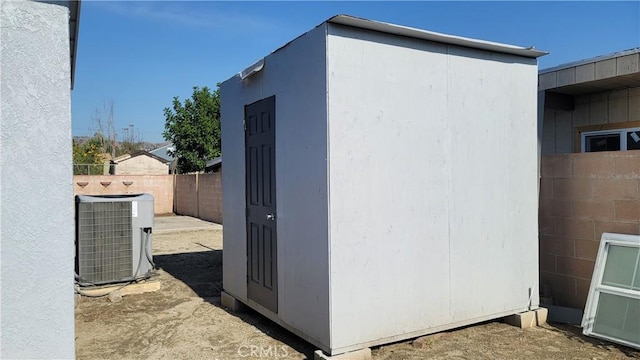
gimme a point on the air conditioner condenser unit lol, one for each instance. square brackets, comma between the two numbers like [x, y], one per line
[113, 238]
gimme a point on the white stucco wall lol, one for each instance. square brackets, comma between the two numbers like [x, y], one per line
[295, 74]
[36, 194]
[433, 186]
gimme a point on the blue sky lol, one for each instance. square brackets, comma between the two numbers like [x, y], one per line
[141, 54]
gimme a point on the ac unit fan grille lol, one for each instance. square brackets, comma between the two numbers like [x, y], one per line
[104, 241]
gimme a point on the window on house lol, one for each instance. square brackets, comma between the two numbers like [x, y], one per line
[611, 140]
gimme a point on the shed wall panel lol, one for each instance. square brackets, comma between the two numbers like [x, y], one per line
[296, 76]
[492, 113]
[388, 187]
[433, 181]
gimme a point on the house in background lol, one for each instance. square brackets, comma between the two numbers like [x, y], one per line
[590, 168]
[592, 105]
[39, 40]
[165, 153]
[140, 163]
[213, 165]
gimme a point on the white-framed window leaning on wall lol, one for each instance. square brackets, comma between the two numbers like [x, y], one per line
[610, 140]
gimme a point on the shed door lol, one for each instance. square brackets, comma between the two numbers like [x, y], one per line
[262, 277]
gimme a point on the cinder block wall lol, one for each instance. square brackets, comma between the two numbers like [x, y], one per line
[186, 195]
[200, 195]
[583, 195]
[210, 197]
[160, 186]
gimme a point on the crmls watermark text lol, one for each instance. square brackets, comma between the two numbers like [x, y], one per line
[257, 351]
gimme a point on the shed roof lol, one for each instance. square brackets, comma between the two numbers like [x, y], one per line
[410, 32]
[388, 28]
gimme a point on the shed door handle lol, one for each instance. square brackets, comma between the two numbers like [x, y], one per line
[271, 217]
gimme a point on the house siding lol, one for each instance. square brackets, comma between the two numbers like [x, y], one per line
[610, 107]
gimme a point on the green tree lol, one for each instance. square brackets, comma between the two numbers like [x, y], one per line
[194, 129]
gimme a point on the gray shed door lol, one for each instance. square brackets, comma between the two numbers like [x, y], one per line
[262, 277]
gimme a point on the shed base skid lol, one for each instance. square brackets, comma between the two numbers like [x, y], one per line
[528, 319]
[362, 354]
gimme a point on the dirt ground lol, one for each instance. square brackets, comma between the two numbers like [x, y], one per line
[184, 320]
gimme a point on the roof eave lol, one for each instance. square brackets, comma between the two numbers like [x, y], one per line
[74, 28]
[590, 60]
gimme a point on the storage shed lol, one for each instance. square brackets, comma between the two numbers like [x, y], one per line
[380, 183]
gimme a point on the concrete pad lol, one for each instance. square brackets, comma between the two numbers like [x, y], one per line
[117, 291]
[178, 223]
[528, 319]
[230, 302]
[362, 354]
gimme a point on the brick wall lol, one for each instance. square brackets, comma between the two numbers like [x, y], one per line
[200, 195]
[583, 195]
[160, 186]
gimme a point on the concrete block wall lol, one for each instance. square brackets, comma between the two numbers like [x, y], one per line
[612, 107]
[210, 197]
[186, 195]
[200, 195]
[160, 186]
[583, 195]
